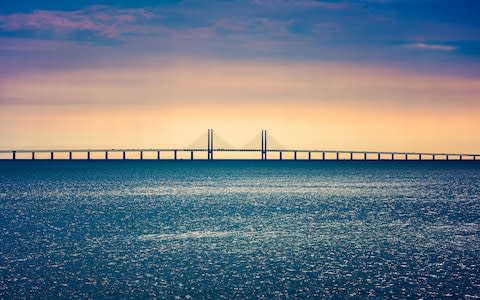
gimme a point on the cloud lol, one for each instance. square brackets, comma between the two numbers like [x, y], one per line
[106, 22]
[425, 46]
[103, 20]
[302, 4]
[253, 26]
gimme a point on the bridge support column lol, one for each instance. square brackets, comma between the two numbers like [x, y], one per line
[323, 155]
[33, 155]
[406, 156]
[88, 155]
[461, 157]
[106, 155]
[175, 154]
[309, 155]
[420, 157]
[447, 158]
[351, 155]
[295, 155]
[51, 155]
[141, 155]
[338, 156]
[280, 155]
[393, 156]
[191, 155]
[70, 155]
[365, 156]
[210, 144]
[124, 155]
[265, 149]
[433, 157]
[14, 155]
[378, 156]
[158, 155]
[474, 157]
[264, 145]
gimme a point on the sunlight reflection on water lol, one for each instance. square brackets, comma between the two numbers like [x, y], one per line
[239, 230]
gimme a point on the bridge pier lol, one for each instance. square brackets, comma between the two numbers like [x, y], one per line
[365, 156]
[33, 155]
[393, 157]
[323, 155]
[280, 157]
[433, 157]
[141, 155]
[420, 157]
[351, 155]
[210, 144]
[264, 145]
[88, 155]
[70, 155]
[447, 158]
[378, 156]
[191, 155]
[51, 155]
[406, 156]
[338, 156]
[295, 155]
[124, 155]
[461, 157]
[474, 157]
[158, 155]
[309, 155]
[14, 155]
[106, 155]
[175, 154]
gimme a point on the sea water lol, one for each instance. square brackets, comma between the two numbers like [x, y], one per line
[239, 229]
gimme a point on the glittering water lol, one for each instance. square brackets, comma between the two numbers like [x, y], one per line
[239, 229]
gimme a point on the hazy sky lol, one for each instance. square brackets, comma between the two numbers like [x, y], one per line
[371, 74]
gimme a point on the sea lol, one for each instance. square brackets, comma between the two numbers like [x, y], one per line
[239, 229]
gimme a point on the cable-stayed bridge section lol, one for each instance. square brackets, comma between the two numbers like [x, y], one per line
[263, 146]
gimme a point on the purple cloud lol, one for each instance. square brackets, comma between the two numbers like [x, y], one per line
[253, 25]
[302, 4]
[105, 21]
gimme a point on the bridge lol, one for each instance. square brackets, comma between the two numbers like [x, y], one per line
[204, 148]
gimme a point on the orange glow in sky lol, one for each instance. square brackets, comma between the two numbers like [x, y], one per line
[320, 106]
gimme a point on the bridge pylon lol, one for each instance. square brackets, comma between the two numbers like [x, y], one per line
[210, 144]
[264, 144]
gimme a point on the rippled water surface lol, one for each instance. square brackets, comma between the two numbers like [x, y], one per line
[234, 229]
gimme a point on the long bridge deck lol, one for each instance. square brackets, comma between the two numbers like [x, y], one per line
[275, 153]
[270, 154]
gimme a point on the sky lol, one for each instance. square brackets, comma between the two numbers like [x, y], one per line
[386, 75]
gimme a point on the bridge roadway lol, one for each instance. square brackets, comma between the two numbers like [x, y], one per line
[325, 154]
